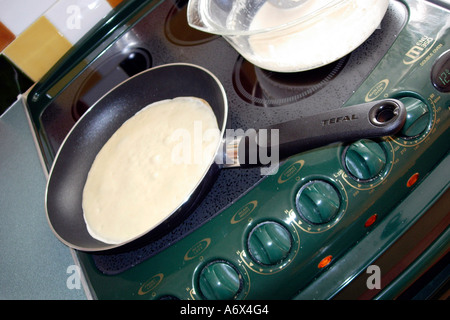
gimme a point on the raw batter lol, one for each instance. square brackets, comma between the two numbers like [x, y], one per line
[148, 168]
[316, 41]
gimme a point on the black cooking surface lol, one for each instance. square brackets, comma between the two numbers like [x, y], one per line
[257, 98]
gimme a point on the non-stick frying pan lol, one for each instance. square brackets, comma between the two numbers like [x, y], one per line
[78, 151]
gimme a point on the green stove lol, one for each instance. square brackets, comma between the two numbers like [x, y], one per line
[363, 220]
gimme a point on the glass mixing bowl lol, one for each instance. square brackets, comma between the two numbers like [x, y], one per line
[305, 37]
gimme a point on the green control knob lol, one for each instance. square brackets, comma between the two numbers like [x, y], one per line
[365, 159]
[318, 202]
[417, 117]
[219, 281]
[269, 243]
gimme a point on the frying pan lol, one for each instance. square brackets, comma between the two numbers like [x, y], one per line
[73, 161]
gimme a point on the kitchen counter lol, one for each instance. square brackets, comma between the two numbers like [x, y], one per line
[33, 263]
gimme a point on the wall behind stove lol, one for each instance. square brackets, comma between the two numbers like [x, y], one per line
[34, 35]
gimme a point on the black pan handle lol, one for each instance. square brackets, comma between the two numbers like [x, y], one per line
[363, 121]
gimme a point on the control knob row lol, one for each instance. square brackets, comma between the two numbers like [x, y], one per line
[269, 243]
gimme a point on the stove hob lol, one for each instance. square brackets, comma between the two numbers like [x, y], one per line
[257, 98]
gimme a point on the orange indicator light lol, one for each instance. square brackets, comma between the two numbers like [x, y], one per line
[371, 221]
[325, 261]
[412, 181]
